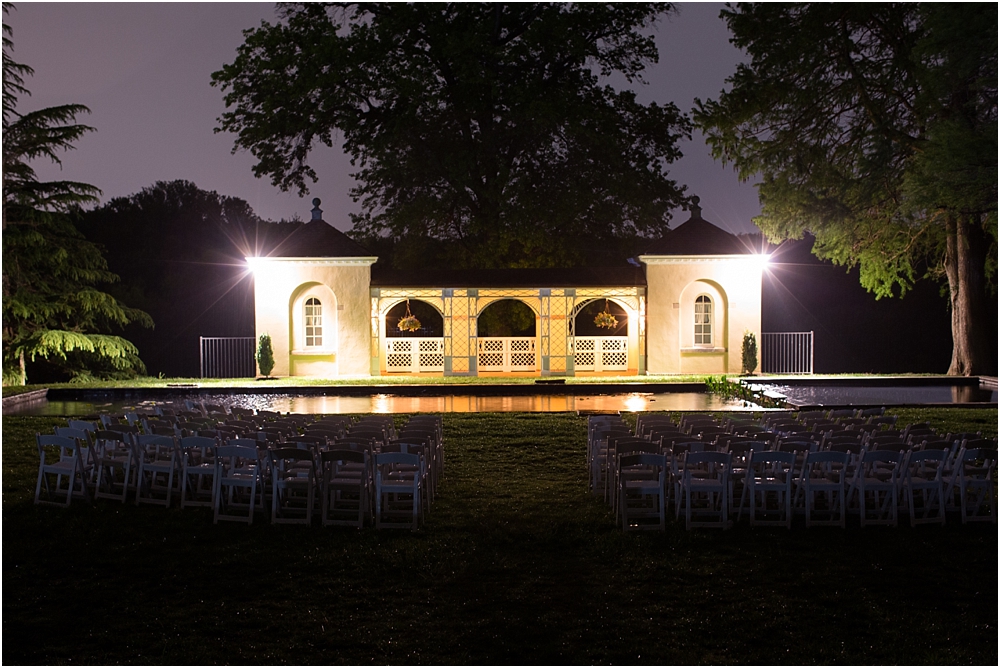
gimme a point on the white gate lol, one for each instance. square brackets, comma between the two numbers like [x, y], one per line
[507, 354]
[414, 355]
[600, 353]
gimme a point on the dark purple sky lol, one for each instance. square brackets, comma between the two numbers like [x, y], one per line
[144, 71]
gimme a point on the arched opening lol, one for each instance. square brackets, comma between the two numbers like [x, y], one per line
[431, 321]
[585, 322]
[506, 318]
[600, 342]
[419, 346]
[506, 331]
[313, 319]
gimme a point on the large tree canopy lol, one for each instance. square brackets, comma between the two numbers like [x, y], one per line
[479, 123]
[51, 307]
[874, 127]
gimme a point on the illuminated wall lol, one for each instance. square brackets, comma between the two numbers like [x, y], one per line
[282, 288]
[674, 283]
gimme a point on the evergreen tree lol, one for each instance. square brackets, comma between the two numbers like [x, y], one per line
[874, 128]
[51, 307]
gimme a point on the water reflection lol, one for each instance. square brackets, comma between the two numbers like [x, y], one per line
[388, 403]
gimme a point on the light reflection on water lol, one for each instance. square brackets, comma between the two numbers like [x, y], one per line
[859, 395]
[387, 403]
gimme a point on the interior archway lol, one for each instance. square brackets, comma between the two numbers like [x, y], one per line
[431, 320]
[584, 325]
[506, 318]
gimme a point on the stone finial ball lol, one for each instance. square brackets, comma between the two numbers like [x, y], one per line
[316, 201]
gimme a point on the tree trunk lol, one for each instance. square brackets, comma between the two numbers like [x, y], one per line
[965, 264]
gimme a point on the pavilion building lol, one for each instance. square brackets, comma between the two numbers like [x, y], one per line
[684, 310]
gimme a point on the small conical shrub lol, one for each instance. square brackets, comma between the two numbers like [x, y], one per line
[265, 355]
[749, 352]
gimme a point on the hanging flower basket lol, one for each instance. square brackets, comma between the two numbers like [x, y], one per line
[409, 322]
[605, 319]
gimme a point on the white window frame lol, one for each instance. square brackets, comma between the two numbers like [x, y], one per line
[312, 319]
[704, 321]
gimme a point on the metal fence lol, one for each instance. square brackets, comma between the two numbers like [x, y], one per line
[786, 352]
[228, 357]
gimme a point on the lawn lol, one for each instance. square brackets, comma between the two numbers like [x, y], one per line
[517, 564]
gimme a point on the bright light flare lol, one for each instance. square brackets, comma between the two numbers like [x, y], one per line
[253, 263]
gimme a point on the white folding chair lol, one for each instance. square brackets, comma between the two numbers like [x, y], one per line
[972, 479]
[293, 485]
[922, 485]
[823, 478]
[642, 491]
[397, 490]
[61, 470]
[877, 487]
[704, 488]
[197, 470]
[114, 458]
[158, 468]
[346, 489]
[237, 482]
[769, 479]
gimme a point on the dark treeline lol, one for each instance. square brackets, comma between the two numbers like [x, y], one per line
[854, 332]
[180, 251]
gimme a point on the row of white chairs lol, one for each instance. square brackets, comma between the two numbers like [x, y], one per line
[360, 479]
[713, 482]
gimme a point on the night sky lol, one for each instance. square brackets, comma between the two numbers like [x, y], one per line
[144, 71]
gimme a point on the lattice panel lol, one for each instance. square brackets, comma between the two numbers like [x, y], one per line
[522, 361]
[601, 353]
[491, 345]
[460, 330]
[398, 362]
[414, 355]
[614, 361]
[491, 361]
[431, 361]
[522, 345]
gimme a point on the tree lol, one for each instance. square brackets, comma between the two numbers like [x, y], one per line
[51, 308]
[874, 127]
[484, 124]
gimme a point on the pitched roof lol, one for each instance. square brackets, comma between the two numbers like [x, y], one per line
[317, 238]
[592, 277]
[697, 236]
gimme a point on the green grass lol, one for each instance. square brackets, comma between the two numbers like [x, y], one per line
[517, 564]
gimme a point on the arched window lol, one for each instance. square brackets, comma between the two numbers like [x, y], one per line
[313, 323]
[703, 318]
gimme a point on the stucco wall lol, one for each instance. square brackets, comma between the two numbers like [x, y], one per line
[673, 283]
[279, 286]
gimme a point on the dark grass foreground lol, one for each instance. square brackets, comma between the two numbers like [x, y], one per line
[517, 564]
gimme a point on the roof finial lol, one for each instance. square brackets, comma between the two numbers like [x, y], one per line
[694, 208]
[317, 213]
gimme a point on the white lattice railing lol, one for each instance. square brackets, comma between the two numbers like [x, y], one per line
[507, 354]
[600, 353]
[414, 355]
